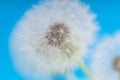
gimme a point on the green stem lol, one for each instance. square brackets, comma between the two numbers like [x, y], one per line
[70, 76]
[85, 69]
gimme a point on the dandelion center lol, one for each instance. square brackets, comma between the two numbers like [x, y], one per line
[57, 34]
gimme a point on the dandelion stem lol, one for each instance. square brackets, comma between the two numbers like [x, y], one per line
[85, 69]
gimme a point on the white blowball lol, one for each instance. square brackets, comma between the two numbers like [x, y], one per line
[106, 52]
[52, 37]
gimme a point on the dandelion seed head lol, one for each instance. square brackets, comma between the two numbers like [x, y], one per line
[52, 37]
[103, 65]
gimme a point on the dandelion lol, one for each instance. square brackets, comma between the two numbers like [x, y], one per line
[51, 38]
[106, 60]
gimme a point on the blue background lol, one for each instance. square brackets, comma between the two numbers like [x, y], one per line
[108, 16]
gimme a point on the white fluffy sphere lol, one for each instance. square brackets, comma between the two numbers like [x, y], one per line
[106, 52]
[39, 46]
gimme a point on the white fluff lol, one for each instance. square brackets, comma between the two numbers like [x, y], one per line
[105, 53]
[32, 56]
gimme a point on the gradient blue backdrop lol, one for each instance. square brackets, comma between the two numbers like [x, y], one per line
[108, 16]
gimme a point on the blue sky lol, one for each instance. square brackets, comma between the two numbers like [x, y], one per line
[108, 16]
